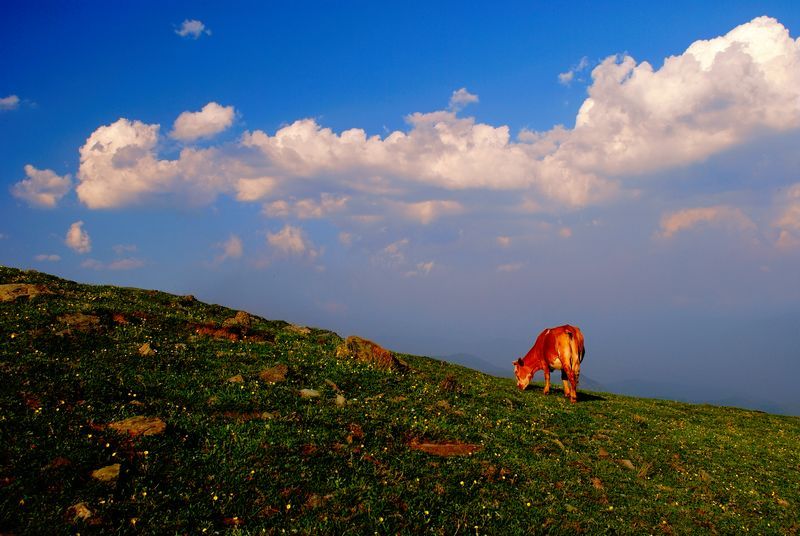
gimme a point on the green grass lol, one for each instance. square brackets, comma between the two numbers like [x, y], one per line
[310, 466]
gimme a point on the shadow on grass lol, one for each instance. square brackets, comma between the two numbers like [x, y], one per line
[556, 391]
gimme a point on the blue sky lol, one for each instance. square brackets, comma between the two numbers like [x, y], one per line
[443, 179]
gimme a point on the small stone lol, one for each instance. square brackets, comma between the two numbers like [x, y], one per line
[241, 320]
[332, 385]
[146, 350]
[236, 379]
[340, 401]
[80, 512]
[80, 321]
[109, 473]
[627, 464]
[367, 351]
[309, 393]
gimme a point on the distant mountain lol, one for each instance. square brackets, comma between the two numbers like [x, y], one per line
[694, 394]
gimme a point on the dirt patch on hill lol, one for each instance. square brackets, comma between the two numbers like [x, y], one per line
[445, 448]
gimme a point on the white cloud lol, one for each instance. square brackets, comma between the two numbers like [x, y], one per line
[44, 257]
[210, 120]
[119, 166]
[78, 239]
[503, 241]
[42, 187]
[719, 215]
[567, 77]
[9, 103]
[119, 264]
[292, 241]
[231, 248]
[461, 98]
[717, 94]
[193, 29]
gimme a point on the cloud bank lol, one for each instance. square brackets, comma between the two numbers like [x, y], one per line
[637, 120]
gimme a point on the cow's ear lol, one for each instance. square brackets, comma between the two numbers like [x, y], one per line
[519, 362]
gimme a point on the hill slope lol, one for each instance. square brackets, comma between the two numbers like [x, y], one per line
[229, 443]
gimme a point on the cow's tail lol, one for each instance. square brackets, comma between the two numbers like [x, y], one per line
[576, 339]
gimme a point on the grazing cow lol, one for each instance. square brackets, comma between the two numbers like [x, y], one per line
[558, 348]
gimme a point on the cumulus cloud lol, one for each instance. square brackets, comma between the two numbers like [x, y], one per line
[231, 248]
[719, 215]
[119, 166]
[45, 257]
[192, 29]
[566, 78]
[461, 98]
[78, 239]
[9, 103]
[291, 241]
[210, 120]
[42, 187]
[718, 93]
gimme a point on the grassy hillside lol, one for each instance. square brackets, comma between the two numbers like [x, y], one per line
[232, 446]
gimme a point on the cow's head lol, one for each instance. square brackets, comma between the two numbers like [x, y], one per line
[523, 373]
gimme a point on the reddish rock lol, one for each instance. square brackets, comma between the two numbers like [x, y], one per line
[369, 352]
[139, 426]
[274, 374]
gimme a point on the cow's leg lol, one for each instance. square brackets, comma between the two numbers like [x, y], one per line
[565, 381]
[573, 394]
[546, 380]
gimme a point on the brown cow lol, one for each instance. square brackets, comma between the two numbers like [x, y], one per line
[558, 348]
